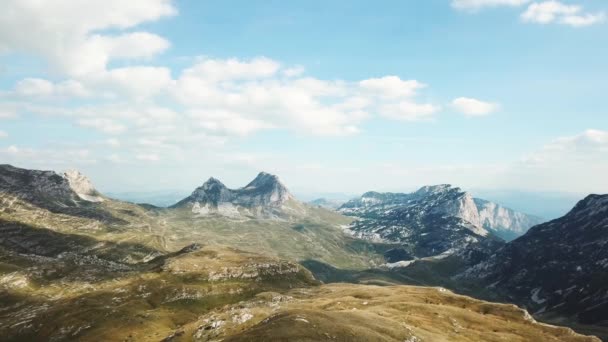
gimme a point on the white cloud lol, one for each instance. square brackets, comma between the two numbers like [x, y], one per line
[474, 5]
[556, 12]
[7, 113]
[473, 107]
[104, 125]
[392, 86]
[61, 31]
[233, 69]
[44, 88]
[586, 146]
[409, 111]
[576, 163]
[294, 71]
[3, 134]
[31, 157]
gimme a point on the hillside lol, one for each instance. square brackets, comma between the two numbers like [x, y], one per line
[557, 269]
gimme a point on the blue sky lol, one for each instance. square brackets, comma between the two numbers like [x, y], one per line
[339, 96]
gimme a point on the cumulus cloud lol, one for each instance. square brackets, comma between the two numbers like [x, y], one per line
[3, 134]
[38, 87]
[589, 145]
[391, 86]
[472, 107]
[64, 32]
[556, 12]
[474, 5]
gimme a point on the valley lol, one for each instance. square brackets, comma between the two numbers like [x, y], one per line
[255, 263]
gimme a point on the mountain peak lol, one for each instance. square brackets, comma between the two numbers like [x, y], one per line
[263, 178]
[433, 189]
[264, 194]
[213, 182]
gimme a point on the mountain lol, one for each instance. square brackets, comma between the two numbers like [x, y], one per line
[556, 268]
[326, 203]
[74, 269]
[504, 222]
[434, 221]
[69, 193]
[265, 196]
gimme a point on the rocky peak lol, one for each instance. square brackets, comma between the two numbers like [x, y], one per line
[82, 186]
[436, 189]
[268, 187]
[262, 195]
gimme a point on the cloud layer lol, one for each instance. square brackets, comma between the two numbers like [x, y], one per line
[545, 12]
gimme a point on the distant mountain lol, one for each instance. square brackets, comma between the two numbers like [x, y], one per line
[326, 203]
[160, 198]
[434, 220]
[263, 197]
[558, 267]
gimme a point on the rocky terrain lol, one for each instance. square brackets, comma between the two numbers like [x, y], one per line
[105, 269]
[434, 221]
[557, 269]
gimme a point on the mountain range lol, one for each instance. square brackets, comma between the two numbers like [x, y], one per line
[243, 264]
[435, 220]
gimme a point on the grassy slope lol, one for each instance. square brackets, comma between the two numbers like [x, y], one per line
[342, 312]
[48, 296]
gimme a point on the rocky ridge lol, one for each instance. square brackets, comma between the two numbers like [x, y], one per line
[263, 197]
[557, 267]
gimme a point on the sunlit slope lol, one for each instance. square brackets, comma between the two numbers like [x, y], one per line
[342, 312]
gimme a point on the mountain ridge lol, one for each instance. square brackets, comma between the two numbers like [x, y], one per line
[264, 196]
[558, 267]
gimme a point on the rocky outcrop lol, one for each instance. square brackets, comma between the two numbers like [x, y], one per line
[82, 186]
[265, 196]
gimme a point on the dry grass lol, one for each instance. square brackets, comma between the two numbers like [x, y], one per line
[342, 312]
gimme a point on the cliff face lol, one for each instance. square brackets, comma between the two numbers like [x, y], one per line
[505, 222]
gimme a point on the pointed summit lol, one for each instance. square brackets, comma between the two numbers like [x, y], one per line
[213, 183]
[268, 188]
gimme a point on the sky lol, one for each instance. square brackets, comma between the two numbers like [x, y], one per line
[332, 96]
